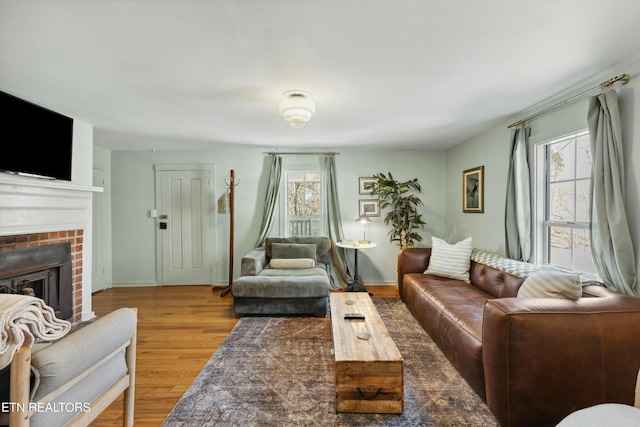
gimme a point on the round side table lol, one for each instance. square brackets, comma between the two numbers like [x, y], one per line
[356, 286]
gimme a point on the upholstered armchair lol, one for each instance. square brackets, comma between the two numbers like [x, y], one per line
[78, 376]
[609, 414]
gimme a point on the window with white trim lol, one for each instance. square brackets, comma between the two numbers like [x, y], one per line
[564, 230]
[304, 210]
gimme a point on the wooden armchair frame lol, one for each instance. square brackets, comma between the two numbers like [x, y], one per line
[20, 388]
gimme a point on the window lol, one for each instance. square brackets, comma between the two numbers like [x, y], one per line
[304, 203]
[567, 181]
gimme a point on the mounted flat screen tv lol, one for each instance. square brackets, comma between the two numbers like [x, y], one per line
[36, 141]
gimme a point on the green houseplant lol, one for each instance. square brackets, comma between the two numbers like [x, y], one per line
[402, 215]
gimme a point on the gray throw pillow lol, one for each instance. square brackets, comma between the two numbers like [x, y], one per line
[293, 250]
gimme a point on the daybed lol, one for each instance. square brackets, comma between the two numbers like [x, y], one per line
[533, 360]
[286, 276]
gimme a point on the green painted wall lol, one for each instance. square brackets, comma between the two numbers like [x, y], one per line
[133, 195]
[491, 149]
[439, 171]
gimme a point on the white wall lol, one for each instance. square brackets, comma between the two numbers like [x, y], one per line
[82, 155]
[491, 149]
[102, 161]
[133, 193]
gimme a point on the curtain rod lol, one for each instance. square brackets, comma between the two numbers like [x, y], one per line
[624, 78]
[289, 153]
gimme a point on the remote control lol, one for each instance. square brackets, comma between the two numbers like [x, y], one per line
[359, 316]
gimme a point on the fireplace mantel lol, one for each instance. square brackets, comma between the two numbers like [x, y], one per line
[23, 181]
[38, 205]
[31, 206]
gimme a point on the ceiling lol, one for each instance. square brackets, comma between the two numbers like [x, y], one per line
[384, 73]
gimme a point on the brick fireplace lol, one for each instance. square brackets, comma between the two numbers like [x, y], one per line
[75, 239]
[36, 212]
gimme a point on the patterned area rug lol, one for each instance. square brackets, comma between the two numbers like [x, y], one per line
[278, 371]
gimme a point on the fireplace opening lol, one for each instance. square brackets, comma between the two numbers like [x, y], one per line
[41, 271]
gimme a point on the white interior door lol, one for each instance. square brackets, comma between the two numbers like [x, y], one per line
[184, 226]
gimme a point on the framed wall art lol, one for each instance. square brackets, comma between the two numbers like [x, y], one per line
[365, 184]
[369, 207]
[473, 190]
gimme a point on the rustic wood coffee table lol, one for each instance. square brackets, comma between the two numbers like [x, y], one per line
[369, 367]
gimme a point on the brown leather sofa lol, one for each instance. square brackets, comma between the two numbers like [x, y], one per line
[533, 360]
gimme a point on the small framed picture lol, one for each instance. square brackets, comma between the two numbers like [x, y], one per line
[365, 184]
[473, 190]
[369, 207]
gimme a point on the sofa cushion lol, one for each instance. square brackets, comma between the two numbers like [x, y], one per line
[450, 260]
[551, 283]
[281, 286]
[293, 250]
[292, 263]
[85, 347]
[461, 303]
[451, 312]
[87, 390]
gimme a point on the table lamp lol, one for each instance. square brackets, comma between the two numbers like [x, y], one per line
[363, 219]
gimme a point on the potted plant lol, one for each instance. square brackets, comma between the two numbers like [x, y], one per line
[402, 215]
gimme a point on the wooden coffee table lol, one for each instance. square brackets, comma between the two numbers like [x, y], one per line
[369, 372]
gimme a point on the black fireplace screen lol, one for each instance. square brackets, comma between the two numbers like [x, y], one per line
[40, 271]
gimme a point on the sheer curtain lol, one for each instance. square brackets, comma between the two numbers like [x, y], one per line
[518, 202]
[611, 244]
[271, 199]
[334, 226]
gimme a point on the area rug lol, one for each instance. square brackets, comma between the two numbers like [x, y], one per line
[278, 371]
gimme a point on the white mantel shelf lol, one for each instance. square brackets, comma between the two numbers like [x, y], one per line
[32, 205]
[20, 181]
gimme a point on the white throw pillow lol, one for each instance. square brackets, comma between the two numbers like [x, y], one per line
[292, 263]
[550, 283]
[451, 261]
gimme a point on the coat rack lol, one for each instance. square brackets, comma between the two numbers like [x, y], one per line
[225, 205]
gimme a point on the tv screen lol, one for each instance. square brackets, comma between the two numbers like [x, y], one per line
[36, 141]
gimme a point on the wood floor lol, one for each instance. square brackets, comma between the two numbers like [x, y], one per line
[179, 328]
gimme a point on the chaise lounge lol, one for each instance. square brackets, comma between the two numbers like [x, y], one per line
[286, 276]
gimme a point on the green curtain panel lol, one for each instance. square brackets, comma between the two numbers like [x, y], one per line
[518, 201]
[271, 199]
[334, 227]
[611, 244]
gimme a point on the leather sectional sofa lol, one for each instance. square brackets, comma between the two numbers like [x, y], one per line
[533, 360]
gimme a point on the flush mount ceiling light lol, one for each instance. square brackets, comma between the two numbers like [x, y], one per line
[297, 107]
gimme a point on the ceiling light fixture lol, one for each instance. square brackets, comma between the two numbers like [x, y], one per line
[297, 107]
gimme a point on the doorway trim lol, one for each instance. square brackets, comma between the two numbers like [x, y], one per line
[158, 169]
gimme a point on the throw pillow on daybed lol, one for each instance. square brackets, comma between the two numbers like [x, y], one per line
[450, 260]
[293, 250]
[292, 263]
[551, 283]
